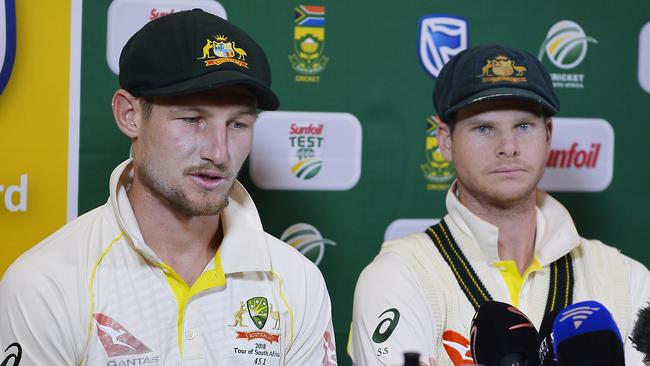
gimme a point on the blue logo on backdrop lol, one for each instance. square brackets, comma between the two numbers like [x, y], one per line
[7, 40]
[441, 37]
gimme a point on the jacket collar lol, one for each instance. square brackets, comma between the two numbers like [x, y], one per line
[243, 247]
[555, 234]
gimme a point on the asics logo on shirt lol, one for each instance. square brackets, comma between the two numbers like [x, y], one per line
[116, 340]
[15, 355]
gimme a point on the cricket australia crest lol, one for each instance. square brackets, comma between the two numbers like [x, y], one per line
[258, 309]
[219, 50]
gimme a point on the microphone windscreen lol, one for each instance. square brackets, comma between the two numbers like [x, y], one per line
[546, 353]
[641, 332]
[585, 334]
[500, 330]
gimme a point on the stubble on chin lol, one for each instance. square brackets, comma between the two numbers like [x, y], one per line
[176, 199]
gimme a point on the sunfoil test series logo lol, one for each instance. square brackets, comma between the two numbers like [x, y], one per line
[7, 40]
[307, 142]
[566, 46]
[438, 172]
[308, 240]
[441, 37]
[306, 151]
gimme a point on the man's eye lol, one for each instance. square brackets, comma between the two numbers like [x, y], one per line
[238, 125]
[483, 129]
[192, 120]
[524, 126]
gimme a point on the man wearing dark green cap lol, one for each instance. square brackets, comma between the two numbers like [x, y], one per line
[501, 239]
[175, 269]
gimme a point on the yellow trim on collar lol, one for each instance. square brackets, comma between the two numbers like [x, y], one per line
[209, 279]
[513, 279]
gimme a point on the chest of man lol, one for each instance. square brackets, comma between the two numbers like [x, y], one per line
[137, 318]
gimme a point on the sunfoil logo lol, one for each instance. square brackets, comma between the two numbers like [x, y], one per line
[566, 46]
[581, 157]
[308, 240]
[306, 142]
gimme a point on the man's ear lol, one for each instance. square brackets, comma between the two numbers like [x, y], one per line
[127, 113]
[549, 131]
[444, 141]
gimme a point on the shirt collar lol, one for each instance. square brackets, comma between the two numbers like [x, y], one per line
[243, 247]
[555, 236]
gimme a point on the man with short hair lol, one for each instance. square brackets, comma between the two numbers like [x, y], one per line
[175, 269]
[501, 239]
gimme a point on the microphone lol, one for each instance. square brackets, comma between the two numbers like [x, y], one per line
[411, 359]
[546, 354]
[585, 334]
[641, 333]
[501, 335]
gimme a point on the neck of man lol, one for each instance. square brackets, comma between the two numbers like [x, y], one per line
[516, 221]
[185, 243]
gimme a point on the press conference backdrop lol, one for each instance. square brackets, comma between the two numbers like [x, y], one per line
[351, 157]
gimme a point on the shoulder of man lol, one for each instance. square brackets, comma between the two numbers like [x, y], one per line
[44, 307]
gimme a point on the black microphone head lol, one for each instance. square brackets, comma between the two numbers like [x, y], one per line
[585, 334]
[641, 333]
[546, 354]
[499, 332]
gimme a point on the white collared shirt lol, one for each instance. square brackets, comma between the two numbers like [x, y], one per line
[94, 293]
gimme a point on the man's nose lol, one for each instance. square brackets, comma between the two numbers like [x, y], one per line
[508, 145]
[214, 144]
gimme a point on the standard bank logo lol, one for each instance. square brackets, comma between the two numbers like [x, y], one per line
[7, 40]
[308, 240]
[566, 47]
[306, 151]
[644, 57]
[125, 17]
[581, 157]
[441, 37]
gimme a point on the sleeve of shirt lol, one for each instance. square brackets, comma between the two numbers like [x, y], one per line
[390, 315]
[313, 342]
[639, 295]
[35, 322]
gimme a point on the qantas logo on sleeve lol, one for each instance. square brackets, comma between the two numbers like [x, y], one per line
[116, 340]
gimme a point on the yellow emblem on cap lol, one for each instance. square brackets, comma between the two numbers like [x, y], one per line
[502, 68]
[220, 50]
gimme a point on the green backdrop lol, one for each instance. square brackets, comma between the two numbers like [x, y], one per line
[374, 72]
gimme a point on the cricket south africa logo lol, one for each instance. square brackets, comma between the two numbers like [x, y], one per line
[441, 37]
[7, 41]
[438, 172]
[308, 240]
[218, 50]
[566, 46]
[308, 58]
[306, 141]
